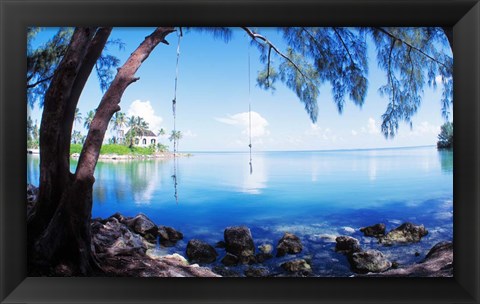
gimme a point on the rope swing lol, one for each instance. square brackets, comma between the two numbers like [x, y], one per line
[249, 114]
[174, 110]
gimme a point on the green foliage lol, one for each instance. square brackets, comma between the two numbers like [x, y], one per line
[445, 138]
[137, 126]
[76, 148]
[89, 119]
[33, 139]
[410, 57]
[117, 149]
[42, 62]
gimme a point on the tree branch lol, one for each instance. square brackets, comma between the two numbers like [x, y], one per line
[390, 76]
[410, 46]
[257, 37]
[344, 45]
[29, 86]
[110, 100]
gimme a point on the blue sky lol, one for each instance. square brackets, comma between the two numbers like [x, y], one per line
[213, 99]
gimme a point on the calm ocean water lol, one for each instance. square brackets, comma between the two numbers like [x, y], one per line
[316, 195]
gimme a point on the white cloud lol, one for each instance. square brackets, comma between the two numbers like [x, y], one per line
[241, 120]
[145, 110]
[438, 79]
[354, 133]
[372, 127]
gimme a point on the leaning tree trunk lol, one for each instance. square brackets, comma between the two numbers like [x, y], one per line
[59, 228]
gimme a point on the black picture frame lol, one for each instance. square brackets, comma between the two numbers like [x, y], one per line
[462, 15]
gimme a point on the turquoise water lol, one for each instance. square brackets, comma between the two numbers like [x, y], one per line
[312, 194]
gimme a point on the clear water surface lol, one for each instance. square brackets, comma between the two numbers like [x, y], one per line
[317, 195]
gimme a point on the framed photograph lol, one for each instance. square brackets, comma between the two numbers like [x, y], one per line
[240, 151]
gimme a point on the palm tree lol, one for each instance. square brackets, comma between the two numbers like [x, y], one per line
[175, 136]
[138, 126]
[88, 119]
[119, 120]
[78, 117]
[161, 132]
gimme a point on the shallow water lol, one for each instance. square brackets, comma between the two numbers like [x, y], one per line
[316, 195]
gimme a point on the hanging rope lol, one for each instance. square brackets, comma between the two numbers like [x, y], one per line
[174, 101]
[174, 110]
[249, 114]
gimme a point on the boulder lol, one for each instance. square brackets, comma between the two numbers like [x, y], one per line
[299, 265]
[114, 238]
[405, 233]
[256, 272]
[225, 271]
[347, 245]
[369, 261]
[290, 244]
[142, 225]
[230, 260]
[201, 252]
[239, 242]
[220, 244]
[437, 263]
[169, 236]
[262, 257]
[376, 230]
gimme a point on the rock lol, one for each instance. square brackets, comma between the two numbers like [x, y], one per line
[114, 238]
[262, 257]
[142, 225]
[290, 244]
[220, 244]
[405, 233]
[417, 253]
[32, 193]
[347, 245]
[256, 272]
[376, 230]
[201, 252]
[299, 265]
[239, 242]
[225, 271]
[230, 260]
[369, 261]
[437, 263]
[265, 248]
[169, 236]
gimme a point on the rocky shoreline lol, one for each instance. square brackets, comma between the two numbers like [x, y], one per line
[128, 246]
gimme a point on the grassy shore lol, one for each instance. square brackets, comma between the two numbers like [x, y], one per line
[117, 150]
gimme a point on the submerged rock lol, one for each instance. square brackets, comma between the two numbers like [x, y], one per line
[369, 261]
[256, 272]
[437, 263]
[405, 233]
[289, 243]
[347, 245]
[262, 257]
[265, 248]
[169, 236]
[201, 252]
[230, 260]
[220, 244]
[299, 265]
[239, 242]
[376, 230]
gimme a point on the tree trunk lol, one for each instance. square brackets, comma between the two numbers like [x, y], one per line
[59, 228]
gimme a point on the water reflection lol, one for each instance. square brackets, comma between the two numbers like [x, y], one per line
[446, 160]
[254, 181]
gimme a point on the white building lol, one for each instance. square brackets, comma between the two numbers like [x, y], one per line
[145, 139]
